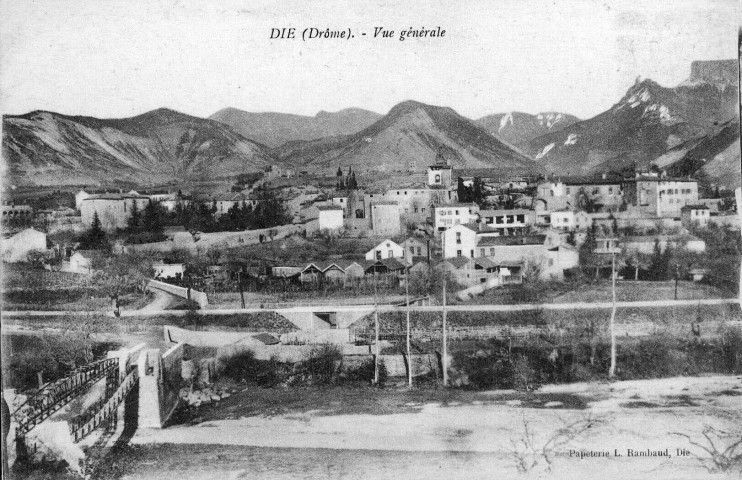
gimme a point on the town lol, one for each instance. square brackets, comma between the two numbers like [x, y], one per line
[505, 245]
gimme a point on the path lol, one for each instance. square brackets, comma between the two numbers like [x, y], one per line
[160, 303]
[391, 308]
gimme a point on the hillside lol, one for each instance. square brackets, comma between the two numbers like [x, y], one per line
[409, 138]
[275, 129]
[518, 128]
[647, 122]
[46, 148]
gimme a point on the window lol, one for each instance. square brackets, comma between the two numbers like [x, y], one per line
[437, 179]
[458, 253]
[378, 254]
[522, 218]
[481, 252]
[551, 262]
[457, 212]
[422, 210]
[567, 190]
[472, 253]
[492, 251]
[458, 237]
[415, 209]
[419, 250]
[390, 254]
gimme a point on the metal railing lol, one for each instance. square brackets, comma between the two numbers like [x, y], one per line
[54, 395]
[103, 411]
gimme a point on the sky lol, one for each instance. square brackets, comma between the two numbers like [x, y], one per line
[122, 58]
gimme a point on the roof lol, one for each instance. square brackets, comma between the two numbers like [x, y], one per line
[484, 262]
[393, 263]
[387, 240]
[457, 262]
[454, 205]
[114, 196]
[519, 211]
[574, 180]
[695, 207]
[511, 240]
[385, 202]
[414, 240]
[328, 207]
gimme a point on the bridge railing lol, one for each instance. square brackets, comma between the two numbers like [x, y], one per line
[54, 395]
[104, 411]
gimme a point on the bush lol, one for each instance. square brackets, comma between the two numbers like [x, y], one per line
[364, 372]
[245, 367]
[322, 365]
[525, 377]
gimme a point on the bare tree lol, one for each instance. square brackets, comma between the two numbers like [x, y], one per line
[724, 449]
[528, 453]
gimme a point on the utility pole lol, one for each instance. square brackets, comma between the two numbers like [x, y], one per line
[612, 369]
[376, 321]
[444, 360]
[407, 301]
[239, 281]
[677, 268]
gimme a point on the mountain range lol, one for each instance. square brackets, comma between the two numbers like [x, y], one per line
[647, 122]
[518, 128]
[409, 138]
[691, 129]
[275, 129]
[46, 148]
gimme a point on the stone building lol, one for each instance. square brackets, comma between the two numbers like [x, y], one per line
[114, 210]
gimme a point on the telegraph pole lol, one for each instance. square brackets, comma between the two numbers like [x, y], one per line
[677, 268]
[376, 321]
[612, 369]
[444, 360]
[407, 298]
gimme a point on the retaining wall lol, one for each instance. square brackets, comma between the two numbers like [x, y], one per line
[196, 296]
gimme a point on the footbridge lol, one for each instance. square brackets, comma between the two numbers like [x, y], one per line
[147, 377]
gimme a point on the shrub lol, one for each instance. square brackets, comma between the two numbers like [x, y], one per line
[245, 367]
[525, 377]
[322, 364]
[364, 372]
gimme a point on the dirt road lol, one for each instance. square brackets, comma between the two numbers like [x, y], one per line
[620, 419]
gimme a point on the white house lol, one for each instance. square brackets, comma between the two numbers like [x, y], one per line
[386, 218]
[384, 250]
[695, 215]
[113, 210]
[508, 222]
[15, 249]
[83, 261]
[168, 270]
[459, 241]
[414, 247]
[446, 216]
[569, 220]
[330, 217]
